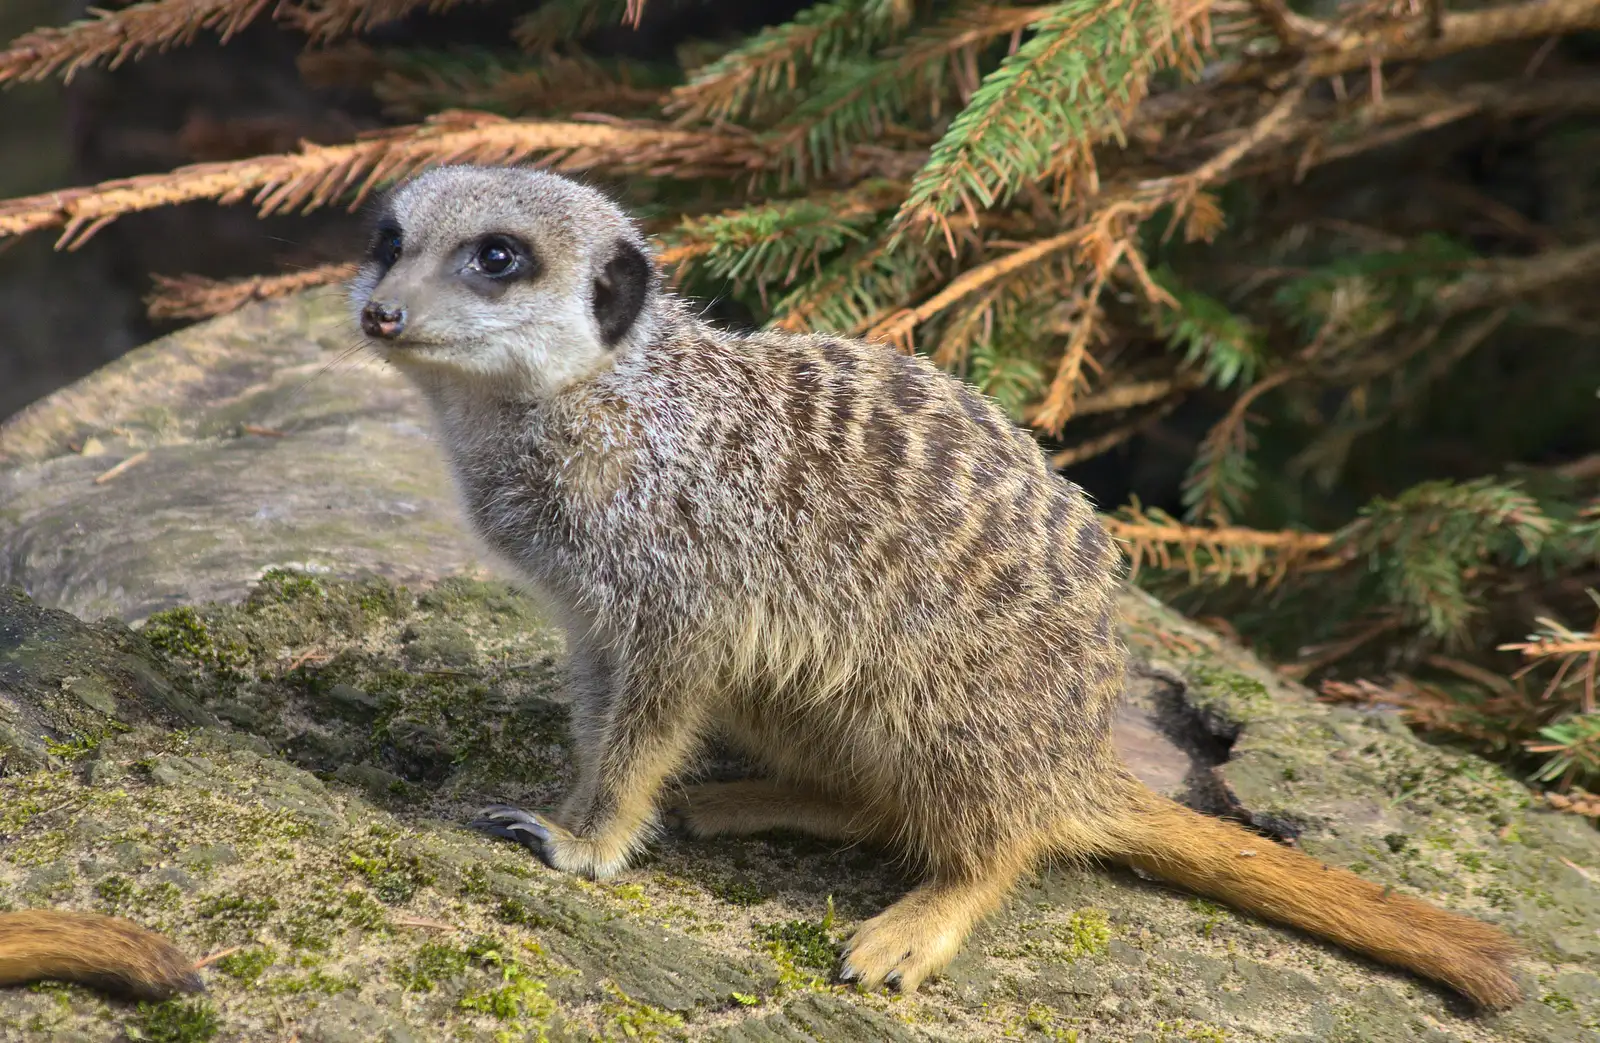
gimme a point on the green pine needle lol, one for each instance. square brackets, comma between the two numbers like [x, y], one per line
[778, 242]
[752, 78]
[1070, 85]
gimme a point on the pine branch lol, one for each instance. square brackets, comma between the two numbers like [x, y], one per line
[1077, 80]
[1569, 648]
[196, 297]
[318, 175]
[858, 98]
[115, 36]
[1460, 31]
[329, 19]
[1227, 347]
[1502, 280]
[774, 242]
[1431, 707]
[1061, 397]
[1114, 215]
[561, 21]
[1422, 38]
[1090, 448]
[853, 291]
[1221, 554]
[1424, 545]
[739, 83]
[412, 85]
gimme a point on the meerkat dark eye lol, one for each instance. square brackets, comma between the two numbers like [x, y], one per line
[386, 248]
[498, 257]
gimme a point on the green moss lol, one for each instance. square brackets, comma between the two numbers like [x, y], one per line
[177, 1021]
[1556, 1001]
[246, 965]
[235, 915]
[286, 587]
[520, 1001]
[1232, 694]
[1398, 843]
[181, 634]
[72, 749]
[1040, 1019]
[1187, 1032]
[393, 876]
[116, 892]
[327, 912]
[806, 943]
[625, 1018]
[1211, 915]
[739, 891]
[516, 911]
[316, 981]
[432, 964]
[1087, 932]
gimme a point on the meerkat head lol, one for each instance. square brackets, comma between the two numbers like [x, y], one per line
[513, 277]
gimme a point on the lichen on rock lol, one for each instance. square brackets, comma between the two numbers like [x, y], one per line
[308, 686]
[301, 813]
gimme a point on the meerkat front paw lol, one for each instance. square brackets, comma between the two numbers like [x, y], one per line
[554, 845]
[510, 823]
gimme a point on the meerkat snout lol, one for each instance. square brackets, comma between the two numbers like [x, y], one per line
[383, 320]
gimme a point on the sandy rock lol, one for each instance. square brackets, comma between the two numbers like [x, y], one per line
[321, 685]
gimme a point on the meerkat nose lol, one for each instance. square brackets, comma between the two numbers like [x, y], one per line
[383, 320]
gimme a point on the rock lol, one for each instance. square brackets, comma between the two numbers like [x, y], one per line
[278, 762]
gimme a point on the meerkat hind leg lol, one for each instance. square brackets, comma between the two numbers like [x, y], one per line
[918, 936]
[758, 805]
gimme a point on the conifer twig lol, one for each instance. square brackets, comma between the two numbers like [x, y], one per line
[1121, 208]
[1221, 552]
[333, 18]
[737, 83]
[115, 36]
[1046, 106]
[1455, 31]
[1510, 278]
[1093, 447]
[196, 297]
[318, 175]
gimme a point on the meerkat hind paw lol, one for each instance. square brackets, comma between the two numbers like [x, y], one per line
[883, 952]
[512, 823]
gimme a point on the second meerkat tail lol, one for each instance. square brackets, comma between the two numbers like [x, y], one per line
[1254, 874]
[103, 952]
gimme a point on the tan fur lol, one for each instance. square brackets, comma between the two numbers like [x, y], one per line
[841, 559]
[103, 952]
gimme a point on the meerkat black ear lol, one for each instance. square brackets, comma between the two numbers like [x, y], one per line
[620, 290]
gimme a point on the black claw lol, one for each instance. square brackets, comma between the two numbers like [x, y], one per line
[848, 974]
[892, 979]
[509, 823]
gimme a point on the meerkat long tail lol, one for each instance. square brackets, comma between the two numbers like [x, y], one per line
[103, 952]
[1254, 874]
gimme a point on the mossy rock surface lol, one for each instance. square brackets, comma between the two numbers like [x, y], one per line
[276, 765]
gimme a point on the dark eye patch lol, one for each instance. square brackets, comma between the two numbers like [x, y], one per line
[387, 243]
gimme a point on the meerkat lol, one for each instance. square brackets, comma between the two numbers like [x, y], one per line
[842, 560]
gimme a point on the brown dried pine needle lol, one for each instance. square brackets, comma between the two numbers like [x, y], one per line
[319, 175]
[196, 297]
[116, 36]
